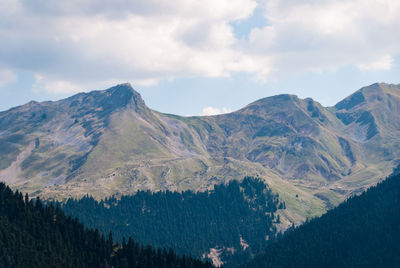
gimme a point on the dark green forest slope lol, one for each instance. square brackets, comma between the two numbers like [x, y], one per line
[364, 231]
[229, 217]
[34, 235]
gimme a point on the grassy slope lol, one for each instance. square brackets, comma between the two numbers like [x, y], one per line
[144, 149]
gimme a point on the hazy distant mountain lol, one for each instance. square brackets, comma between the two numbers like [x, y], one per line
[109, 142]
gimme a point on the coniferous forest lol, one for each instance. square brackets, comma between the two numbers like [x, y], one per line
[364, 231]
[189, 222]
[34, 235]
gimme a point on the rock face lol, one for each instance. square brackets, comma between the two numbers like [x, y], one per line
[109, 142]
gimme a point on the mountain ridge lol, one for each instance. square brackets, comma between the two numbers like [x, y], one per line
[109, 142]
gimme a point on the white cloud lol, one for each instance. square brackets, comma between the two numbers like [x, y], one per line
[84, 44]
[6, 77]
[385, 63]
[319, 35]
[214, 111]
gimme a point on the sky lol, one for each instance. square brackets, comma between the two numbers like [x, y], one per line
[192, 57]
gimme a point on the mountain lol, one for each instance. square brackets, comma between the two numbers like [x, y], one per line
[362, 232]
[34, 235]
[110, 143]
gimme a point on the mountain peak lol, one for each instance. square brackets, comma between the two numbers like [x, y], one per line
[277, 98]
[120, 96]
[272, 101]
[359, 97]
[368, 94]
[122, 89]
[125, 87]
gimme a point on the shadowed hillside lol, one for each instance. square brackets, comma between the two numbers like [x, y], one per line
[234, 220]
[362, 232]
[34, 235]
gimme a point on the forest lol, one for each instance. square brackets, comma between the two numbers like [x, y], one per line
[35, 235]
[237, 217]
[364, 231]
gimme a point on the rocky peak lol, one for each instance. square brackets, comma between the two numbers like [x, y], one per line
[124, 95]
[359, 111]
[121, 96]
[374, 93]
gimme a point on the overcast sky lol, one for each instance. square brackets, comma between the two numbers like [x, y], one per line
[192, 57]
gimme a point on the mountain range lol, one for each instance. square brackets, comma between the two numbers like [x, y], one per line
[109, 142]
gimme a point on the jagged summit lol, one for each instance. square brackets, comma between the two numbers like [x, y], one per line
[124, 95]
[122, 89]
[117, 97]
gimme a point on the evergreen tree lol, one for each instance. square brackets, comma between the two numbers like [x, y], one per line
[364, 231]
[189, 222]
[34, 235]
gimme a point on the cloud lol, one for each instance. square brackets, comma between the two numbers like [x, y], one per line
[214, 111]
[384, 63]
[6, 77]
[58, 86]
[320, 35]
[84, 44]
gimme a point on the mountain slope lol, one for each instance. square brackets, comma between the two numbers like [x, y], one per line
[109, 142]
[362, 232]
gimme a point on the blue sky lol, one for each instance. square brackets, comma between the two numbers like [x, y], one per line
[197, 57]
